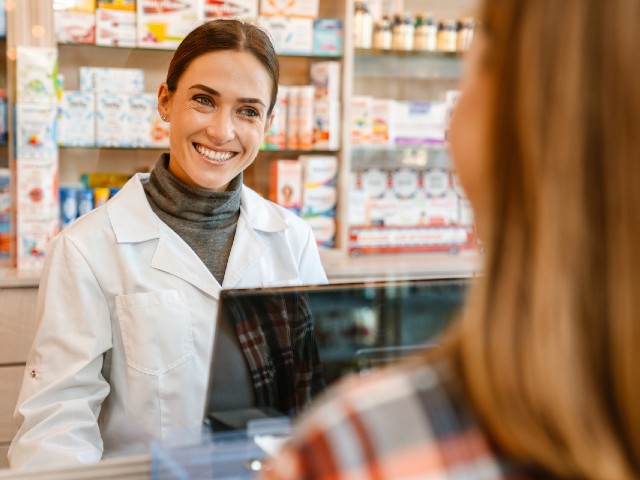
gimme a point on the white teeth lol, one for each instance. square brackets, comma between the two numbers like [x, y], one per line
[213, 155]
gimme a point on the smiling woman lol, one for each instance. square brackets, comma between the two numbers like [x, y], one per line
[219, 111]
[130, 291]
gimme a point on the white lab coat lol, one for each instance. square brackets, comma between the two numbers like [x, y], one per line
[126, 315]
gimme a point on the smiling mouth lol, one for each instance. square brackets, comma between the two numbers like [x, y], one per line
[213, 155]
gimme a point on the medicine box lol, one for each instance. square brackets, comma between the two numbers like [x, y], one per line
[227, 9]
[383, 121]
[116, 23]
[293, 8]
[76, 119]
[36, 131]
[325, 77]
[36, 79]
[111, 80]
[290, 35]
[361, 116]
[328, 36]
[420, 122]
[112, 120]
[163, 24]
[285, 184]
[326, 125]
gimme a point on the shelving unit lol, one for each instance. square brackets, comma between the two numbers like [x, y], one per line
[400, 75]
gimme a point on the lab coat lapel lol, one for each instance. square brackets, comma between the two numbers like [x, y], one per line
[246, 252]
[257, 216]
[174, 256]
[133, 221]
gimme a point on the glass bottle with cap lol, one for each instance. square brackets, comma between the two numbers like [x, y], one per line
[382, 34]
[363, 25]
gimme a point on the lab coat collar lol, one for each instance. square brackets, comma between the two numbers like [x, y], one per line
[133, 221]
[130, 214]
[261, 215]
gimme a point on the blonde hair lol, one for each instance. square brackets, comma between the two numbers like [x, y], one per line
[549, 343]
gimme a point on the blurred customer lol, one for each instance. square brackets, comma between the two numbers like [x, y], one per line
[540, 378]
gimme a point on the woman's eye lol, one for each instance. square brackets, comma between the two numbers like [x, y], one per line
[249, 112]
[203, 100]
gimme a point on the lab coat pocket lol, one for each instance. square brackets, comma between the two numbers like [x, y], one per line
[156, 330]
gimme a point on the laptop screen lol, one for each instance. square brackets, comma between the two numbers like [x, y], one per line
[296, 341]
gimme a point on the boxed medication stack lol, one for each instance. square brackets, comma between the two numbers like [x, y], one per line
[325, 77]
[285, 184]
[125, 116]
[116, 23]
[320, 195]
[36, 154]
[75, 21]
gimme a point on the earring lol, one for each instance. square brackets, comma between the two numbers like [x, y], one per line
[163, 117]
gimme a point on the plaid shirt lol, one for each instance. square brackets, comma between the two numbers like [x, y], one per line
[277, 338]
[398, 424]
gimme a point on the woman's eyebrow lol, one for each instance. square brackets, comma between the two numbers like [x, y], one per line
[215, 93]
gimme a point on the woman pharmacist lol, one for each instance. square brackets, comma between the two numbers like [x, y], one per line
[128, 297]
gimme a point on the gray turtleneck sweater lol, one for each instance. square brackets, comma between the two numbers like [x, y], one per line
[207, 222]
[204, 219]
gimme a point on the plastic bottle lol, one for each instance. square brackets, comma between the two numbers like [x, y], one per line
[382, 34]
[363, 25]
[420, 34]
[408, 33]
[398, 32]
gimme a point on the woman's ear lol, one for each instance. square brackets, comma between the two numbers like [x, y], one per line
[164, 101]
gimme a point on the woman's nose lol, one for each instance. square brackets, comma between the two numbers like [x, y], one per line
[220, 127]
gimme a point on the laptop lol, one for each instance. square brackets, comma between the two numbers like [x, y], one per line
[338, 329]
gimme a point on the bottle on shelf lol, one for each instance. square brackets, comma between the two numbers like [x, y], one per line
[363, 25]
[465, 34]
[382, 34]
[399, 32]
[447, 36]
[425, 33]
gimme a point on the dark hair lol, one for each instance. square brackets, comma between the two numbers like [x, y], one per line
[225, 34]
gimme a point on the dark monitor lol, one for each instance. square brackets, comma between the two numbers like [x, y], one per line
[335, 330]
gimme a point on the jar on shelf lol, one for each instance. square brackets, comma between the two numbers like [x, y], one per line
[465, 34]
[425, 36]
[448, 36]
[363, 25]
[402, 32]
[382, 34]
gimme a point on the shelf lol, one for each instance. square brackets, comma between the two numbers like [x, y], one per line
[112, 48]
[399, 266]
[375, 52]
[407, 66]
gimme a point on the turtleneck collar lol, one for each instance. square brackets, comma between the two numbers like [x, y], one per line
[181, 201]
